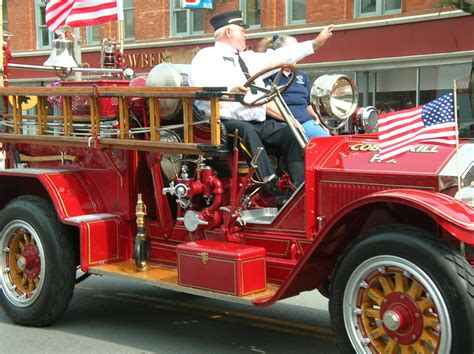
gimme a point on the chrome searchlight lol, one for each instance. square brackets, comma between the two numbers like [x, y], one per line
[335, 96]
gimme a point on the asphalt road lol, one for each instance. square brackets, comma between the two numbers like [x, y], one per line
[116, 316]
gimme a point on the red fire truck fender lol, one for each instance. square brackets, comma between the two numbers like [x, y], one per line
[453, 215]
[76, 204]
[68, 190]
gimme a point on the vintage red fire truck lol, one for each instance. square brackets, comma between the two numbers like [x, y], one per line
[130, 181]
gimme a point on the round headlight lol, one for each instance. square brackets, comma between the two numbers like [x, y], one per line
[334, 95]
[367, 118]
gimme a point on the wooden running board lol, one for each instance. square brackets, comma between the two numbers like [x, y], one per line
[167, 278]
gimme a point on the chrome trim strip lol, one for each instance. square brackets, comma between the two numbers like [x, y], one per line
[90, 217]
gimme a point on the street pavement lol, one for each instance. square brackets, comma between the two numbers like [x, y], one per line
[116, 316]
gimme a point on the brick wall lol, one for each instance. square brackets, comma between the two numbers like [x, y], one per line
[420, 5]
[22, 23]
[320, 12]
[152, 17]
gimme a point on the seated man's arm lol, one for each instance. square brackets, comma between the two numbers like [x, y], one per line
[273, 112]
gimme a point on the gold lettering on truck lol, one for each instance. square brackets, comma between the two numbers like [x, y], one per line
[375, 158]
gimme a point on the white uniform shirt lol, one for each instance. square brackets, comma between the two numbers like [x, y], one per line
[218, 66]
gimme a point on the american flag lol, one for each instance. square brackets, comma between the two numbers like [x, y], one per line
[432, 122]
[78, 13]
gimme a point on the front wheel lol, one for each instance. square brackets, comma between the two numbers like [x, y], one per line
[37, 262]
[403, 291]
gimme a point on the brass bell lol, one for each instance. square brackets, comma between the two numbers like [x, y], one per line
[62, 55]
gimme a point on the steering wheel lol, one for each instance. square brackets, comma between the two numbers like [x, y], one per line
[269, 93]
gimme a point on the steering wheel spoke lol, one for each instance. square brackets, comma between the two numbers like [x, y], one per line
[269, 94]
[259, 88]
[277, 79]
[257, 101]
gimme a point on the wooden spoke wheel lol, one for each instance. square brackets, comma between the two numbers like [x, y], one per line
[394, 306]
[402, 290]
[23, 271]
[37, 262]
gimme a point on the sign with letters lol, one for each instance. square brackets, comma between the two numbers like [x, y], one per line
[197, 4]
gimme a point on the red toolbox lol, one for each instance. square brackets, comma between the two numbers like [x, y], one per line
[223, 267]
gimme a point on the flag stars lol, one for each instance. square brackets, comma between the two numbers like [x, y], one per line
[437, 124]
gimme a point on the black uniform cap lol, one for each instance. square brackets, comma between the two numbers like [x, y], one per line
[228, 18]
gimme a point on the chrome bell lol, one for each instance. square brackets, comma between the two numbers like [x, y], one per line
[62, 54]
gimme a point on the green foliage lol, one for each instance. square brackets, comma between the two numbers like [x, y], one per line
[464, 5]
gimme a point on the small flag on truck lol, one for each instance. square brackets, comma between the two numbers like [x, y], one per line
[431, 122]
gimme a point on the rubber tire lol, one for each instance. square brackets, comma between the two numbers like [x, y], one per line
[451, 273]
[59, 256]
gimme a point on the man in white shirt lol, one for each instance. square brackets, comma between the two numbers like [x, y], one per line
[221, 66]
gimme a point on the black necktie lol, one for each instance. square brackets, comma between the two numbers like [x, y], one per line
[245, 70]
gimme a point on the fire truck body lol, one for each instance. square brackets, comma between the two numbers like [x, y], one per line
[388, 243]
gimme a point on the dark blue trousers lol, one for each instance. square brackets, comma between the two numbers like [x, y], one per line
[273, 134]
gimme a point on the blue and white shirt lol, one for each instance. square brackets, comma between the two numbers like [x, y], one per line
[297, 96]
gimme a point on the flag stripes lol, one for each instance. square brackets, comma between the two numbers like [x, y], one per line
[78, 13]
[56, 13]
[433, 122]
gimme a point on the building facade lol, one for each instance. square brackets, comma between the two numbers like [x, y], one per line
[400, 52]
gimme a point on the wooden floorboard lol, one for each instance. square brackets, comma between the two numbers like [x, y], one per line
[166, 277]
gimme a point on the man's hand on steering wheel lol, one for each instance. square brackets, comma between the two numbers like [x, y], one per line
[240, 89]
[268, 93]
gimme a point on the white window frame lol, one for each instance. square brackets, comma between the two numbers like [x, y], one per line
[379, 9]
[129, 12]
[90, 35]
[289, 14]
[243, 8]
[5, 15]
[189, 21]
[39, 33]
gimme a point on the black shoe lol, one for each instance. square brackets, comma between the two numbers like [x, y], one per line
[272, 186]
[280, 196]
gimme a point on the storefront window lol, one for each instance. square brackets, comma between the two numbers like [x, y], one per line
[251, 11]
[436, 81]
[393, 90]
[396, 89]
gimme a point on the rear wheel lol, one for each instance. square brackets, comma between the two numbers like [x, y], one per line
[403, 291]
[37, 262]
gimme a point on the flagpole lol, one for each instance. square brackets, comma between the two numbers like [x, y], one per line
[458, 172]
[76, 37]
[121, 29]
[462, 245]
[2, 60]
